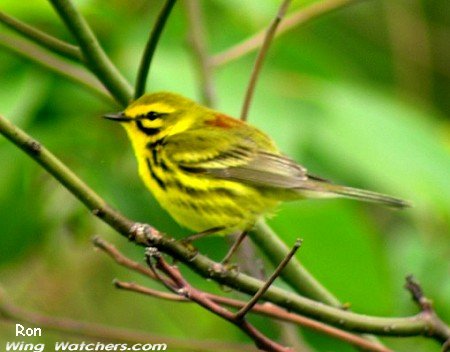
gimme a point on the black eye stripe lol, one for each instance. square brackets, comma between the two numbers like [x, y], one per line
[151, 115]
[147, 130]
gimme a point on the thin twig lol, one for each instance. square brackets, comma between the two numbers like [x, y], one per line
[428, 312]
[417, 294]
[180, 286]
[261, 56]
[96, 59]
[131, 286]
[300, 17]
[244, 310]
[173, 278]
[295, 274]
[120, 259]
[41, 38]
[404, 326]
[197, 41]
[42, 57]
[150, 48]
[237, 241]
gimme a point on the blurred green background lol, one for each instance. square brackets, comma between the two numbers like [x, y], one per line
[360, 96]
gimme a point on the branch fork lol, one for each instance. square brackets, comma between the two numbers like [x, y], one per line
[144, 234]
[175, 282]
[436, 327]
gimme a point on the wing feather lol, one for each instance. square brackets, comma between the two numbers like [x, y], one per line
[241, 159]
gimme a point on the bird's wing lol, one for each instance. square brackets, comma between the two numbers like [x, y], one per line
[235, 156]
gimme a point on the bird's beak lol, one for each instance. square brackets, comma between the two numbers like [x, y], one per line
[117, 116]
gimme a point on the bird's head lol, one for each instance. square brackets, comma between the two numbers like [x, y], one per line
[158, 115]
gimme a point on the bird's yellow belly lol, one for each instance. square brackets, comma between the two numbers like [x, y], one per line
[201, 203]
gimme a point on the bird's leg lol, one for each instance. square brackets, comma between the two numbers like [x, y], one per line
[234, 247]
[197, 236]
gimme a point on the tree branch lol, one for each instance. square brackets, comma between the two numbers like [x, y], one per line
[148, 236]
[96, 59]
[43, 39]
[300, 17]
[261, 56]
[150, 48]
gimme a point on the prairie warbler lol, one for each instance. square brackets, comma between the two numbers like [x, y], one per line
[211, 171]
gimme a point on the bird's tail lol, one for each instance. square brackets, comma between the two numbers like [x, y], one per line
[324, 189]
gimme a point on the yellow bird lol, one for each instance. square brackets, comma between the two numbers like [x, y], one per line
[214, 173]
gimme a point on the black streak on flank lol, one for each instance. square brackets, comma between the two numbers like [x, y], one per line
[148, 131]
[164, 166]
[155, 148]
[200, 193]
[154, 176]
[155, 157]
[193, 170]
[151, 145]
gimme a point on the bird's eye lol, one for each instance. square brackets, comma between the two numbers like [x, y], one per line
[152, 115]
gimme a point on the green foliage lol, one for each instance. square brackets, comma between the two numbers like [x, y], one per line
[330, 94]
